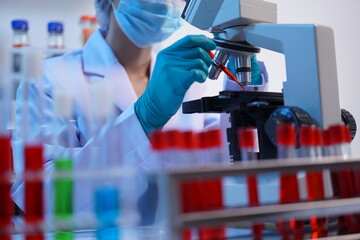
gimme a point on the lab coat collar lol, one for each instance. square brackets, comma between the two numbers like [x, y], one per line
[98, 57]
[99, 60]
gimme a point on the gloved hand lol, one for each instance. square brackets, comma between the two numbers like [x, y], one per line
[177, 68]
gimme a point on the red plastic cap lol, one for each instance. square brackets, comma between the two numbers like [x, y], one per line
[214, 137]
[347, 133]
[337, 134]
[85, 18]
[285, 134]
[326, 137]
[190, 140]
[33, 158]
[204, 140]
[158, 141]
[307, 136]
[175, 139]
[318, 137]
[246, 137]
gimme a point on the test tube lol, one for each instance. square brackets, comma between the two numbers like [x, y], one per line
[63, 185]
[107, 209]
[217, 189]
[289, 188]
[320, 143]
[7, 206]
[246, 138]
[33, 152]
[314, 179]
[344, 178]
[211, 189]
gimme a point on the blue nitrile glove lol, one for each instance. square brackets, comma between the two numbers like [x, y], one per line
[177, 68]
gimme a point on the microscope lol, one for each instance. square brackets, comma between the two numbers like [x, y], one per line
[310, 94]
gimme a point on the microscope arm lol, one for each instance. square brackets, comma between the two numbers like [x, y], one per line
[310, 66]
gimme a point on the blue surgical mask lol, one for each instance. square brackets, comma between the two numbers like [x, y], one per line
[146, 22]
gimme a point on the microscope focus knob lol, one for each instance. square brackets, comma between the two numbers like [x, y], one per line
[349, 120]
[289, 115]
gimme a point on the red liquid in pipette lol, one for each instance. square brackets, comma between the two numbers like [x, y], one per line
[225, 70]
[6, 205]
[34, 203]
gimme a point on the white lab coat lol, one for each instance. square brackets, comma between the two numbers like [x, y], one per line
[75, 72]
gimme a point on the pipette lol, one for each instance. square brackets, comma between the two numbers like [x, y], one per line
[224, 69]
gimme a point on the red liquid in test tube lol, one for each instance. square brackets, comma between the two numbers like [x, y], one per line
[6, 205]
[246, 138]
[289, 188]
[34, 203]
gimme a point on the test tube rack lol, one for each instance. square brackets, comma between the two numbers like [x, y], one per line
[238, 216]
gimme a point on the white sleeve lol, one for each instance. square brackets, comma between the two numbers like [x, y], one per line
[132, 146]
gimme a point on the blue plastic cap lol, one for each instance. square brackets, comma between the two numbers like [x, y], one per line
[20, 25]
[55, 27]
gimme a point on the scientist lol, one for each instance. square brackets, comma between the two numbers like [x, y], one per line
[146, 93]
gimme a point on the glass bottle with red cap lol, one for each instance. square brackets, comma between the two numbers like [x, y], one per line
[86, 30]
[20, 33]
[246, 138]
[289, 187]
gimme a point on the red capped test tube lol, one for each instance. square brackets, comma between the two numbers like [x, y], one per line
[246, 138]
[314, 180]
[344, 177]
[289, 187]
[211, 189]
[345, 185]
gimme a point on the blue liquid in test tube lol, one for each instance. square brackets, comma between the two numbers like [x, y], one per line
[107, 210]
